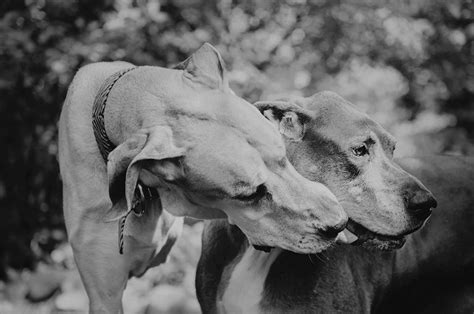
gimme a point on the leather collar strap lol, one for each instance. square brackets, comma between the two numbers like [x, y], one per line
[142, 193]
[98, 124]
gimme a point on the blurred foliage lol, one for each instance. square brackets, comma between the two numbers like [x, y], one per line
[408, 63]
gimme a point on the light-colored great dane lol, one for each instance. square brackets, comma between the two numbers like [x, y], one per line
[136, 140]
[329, 141]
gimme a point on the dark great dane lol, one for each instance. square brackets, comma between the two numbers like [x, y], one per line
[330, 141]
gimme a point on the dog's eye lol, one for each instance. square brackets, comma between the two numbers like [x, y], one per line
[393, 148]
[256, 196]
[361, 150]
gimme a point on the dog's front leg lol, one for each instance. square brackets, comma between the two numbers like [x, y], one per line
[103, 270]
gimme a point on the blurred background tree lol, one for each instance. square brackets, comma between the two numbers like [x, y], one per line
[407, 63]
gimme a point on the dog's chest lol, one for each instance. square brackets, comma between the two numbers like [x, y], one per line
[245, 286]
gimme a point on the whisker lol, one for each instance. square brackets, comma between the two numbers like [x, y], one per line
[318, 257]
[325, 256]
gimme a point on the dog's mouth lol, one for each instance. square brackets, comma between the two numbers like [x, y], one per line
[356, 234]
[263, 248]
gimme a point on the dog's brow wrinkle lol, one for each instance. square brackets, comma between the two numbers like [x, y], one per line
[195, 115]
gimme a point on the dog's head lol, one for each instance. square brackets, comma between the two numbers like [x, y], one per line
[212, 154]
[328, 140]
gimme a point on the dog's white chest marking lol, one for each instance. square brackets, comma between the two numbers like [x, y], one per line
[245, 287]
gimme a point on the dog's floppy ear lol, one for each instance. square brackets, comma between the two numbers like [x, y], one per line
[288, 117]
[205, 66]
[150, 149]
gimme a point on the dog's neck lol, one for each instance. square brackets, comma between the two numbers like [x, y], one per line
[244, 283]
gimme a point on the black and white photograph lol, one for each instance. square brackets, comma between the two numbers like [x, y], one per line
[237, 156]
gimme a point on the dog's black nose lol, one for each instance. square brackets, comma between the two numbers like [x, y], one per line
[333, 231]
[420, 204]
